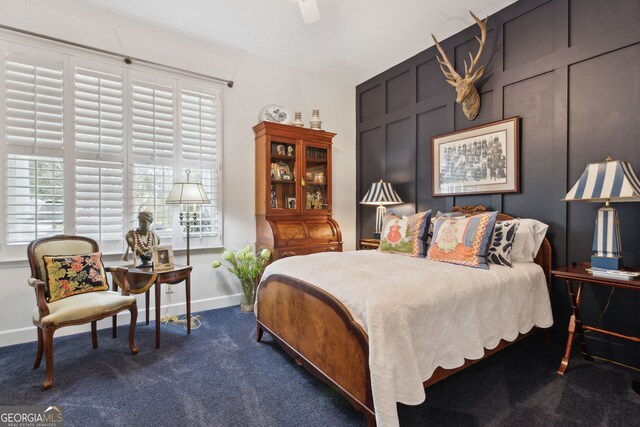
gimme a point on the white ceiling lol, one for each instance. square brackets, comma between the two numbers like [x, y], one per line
[353, 41]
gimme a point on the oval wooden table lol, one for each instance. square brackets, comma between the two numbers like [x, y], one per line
[142, 279]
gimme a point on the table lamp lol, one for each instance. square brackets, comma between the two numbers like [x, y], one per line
[187, 193]
[381, 193]
[608, 181]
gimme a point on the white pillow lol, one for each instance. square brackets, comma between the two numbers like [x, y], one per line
[529, 237]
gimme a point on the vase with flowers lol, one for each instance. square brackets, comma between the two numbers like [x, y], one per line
[247, 267]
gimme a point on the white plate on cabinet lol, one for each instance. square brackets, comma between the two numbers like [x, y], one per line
[275, 113]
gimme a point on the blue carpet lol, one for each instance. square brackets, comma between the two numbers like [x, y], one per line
[219, 376]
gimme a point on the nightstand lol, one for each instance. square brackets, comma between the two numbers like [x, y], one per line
[369, 243]
[579, 275]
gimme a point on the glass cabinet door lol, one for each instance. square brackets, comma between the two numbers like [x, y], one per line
[316, 179]
[282, 191]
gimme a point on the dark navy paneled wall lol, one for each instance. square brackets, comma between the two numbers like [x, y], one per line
[571, 70]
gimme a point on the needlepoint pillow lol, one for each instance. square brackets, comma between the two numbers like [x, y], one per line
[405, 235]
[69, 275]
[433, 221]
[504, 234]
[463, 240]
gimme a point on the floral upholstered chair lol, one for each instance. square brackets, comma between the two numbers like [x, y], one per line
[71, 288]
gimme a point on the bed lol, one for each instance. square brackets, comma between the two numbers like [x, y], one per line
[378, 337]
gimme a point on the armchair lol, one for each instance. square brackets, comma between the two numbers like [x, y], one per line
[73, 309]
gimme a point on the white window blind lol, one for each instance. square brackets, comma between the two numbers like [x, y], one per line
[151, 186]
[152, 117]
[34, 102]
[35, 205]
[198, 125]
[99, 133]
[89, 142]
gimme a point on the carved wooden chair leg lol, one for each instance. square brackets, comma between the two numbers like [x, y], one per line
[47, 336]
[132, 329]
[94, 334]
[40, 349]
[114, 326]
[259, 333]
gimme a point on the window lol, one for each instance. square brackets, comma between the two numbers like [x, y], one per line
[90, 142]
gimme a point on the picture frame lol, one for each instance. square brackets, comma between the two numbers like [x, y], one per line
[291, 202]
[162, 257]
[480, 160]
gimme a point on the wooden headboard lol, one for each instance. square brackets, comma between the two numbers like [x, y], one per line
[542, 258]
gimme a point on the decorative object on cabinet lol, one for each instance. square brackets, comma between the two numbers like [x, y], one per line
[608, 181]
[467, 93]
[162, 258]
[315, 123]
[482, 159]
[247, 267]
[188, 193]
[275, 113]
[381, 193]
[293, 216]
[298, 120]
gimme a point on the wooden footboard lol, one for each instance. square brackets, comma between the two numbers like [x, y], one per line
[318, 331]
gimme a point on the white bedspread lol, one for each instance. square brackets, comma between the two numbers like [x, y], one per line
[422, 314]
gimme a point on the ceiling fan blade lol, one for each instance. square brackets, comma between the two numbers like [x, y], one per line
[309, 11]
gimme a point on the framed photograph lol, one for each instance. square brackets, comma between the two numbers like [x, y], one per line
[162, 257]
[291, 202]
[480, 160]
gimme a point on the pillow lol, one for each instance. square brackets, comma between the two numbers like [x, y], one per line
[529, 237]
[405, 235]
[69, 275]
[502, 242]
[433, 221]
[463, 240]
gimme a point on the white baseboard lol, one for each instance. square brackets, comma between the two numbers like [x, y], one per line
[21, 335]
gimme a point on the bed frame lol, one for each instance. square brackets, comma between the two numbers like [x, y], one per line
[320, 334]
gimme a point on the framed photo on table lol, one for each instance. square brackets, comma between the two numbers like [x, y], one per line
[162, 257]
[480, 160]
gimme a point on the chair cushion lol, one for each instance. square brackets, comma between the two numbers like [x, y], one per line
[69, 275]
[83, 306]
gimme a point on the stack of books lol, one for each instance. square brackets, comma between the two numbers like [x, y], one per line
[613, 274]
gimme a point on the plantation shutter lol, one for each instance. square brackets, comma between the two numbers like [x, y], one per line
[199, 136]
[153, 115]
[34, 142]
[98, 133]
[34, 96]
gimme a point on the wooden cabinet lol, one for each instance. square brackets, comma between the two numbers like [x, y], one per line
[293, 191]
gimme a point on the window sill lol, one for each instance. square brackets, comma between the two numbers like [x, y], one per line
[109, 258]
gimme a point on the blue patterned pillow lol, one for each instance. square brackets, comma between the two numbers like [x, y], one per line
[504, 233]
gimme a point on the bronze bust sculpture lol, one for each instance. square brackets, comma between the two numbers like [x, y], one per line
[141, 240]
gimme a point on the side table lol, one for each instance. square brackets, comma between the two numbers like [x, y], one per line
[578, 274]
[142, 279]
[369, 243]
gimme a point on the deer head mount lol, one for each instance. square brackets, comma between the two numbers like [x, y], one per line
[467, 93]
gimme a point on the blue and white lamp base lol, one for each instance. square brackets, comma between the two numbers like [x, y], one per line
[607, 248]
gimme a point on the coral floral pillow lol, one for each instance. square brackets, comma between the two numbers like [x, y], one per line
[463, 240]
[406, 236]
[74, 274]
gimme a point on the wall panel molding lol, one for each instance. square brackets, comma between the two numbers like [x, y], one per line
[570, 70]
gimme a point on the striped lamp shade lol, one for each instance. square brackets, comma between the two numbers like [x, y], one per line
[613, 181]
[381, 193]
[608, 181]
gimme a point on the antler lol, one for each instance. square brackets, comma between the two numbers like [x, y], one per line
[474, 60]
[452, 76]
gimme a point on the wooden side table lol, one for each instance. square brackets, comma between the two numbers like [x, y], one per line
[369, 243]
[142, 279]
[579, 275]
